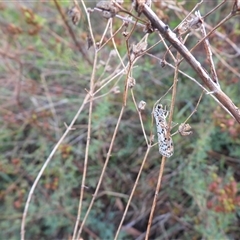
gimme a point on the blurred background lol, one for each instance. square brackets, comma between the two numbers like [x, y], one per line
[45, 70]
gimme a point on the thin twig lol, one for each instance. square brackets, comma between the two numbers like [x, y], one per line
[194, 110]
[107, 65]
[114, 44]
[195, 81]
[125, 19]
[128, 75]
[229, 16]
[140, 117]
[174, 92]
[214, 9]
[89, 125]
[71, 32]
[45, 165]
[114, 75]
[132, 61]
[208, 50]
[109, 39]
[104, 33]
[53, 110]
[224, 62]
[186, 17]
[168, 48]
[102, 173]
[155, 197]
[132, 192]
[220, 35]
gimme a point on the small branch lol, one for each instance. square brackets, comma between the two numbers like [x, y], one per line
[188, 15]
[155, 197]
[229, 16]
[174, 92]
[132, 192]
[214, 9]
[89, 125]
[140, 117]
[208, 50]
[102, 173]
[78, 44]
[194, 110]
[181, 48]
[114, 43]
[195, 81]
[125, 19]
[45, 165]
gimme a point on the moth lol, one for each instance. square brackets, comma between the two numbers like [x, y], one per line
[165, 143]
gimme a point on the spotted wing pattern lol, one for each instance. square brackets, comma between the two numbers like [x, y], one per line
[165, 144]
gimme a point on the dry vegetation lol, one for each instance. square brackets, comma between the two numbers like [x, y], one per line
[80, 81]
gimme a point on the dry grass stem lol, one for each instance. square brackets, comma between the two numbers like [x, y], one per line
[45, 166]
[102, 173]
[161, 170]
[132, 192]
[89, 125]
